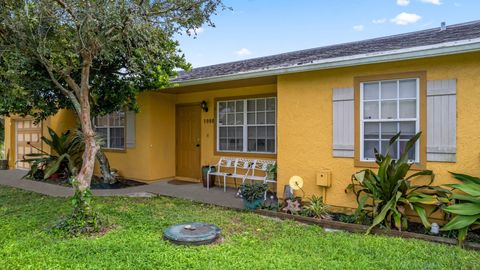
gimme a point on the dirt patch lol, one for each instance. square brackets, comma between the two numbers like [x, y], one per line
[103, 231]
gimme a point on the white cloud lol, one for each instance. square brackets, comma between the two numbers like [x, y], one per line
[457, 4]
[379, 21]
[403, 2]
[406, 18]
[358, 28]
[195, 31]
[243, 52]
[433, 2]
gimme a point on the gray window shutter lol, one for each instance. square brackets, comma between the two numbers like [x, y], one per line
[343, 122]
[130, 140]
[441, 120]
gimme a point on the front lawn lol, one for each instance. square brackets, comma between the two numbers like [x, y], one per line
[251, 241]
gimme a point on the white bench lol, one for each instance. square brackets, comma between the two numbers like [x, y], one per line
[230, 168]
[242, 168]
[258, 172]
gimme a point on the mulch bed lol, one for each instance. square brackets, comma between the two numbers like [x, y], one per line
[122, 183]
[96, 183]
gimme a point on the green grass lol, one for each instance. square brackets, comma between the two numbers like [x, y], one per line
[251, 241]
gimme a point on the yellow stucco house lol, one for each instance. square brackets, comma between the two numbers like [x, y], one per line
[317, 112]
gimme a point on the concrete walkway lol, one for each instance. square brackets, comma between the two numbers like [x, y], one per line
[194, 191]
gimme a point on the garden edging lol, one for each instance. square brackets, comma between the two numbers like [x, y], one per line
[358, 228]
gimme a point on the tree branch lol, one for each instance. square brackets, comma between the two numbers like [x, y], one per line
[71, 83]
[70, 95]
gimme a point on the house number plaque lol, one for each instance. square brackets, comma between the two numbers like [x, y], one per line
[209, 120]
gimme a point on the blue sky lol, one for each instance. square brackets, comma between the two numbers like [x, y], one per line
[264, 27]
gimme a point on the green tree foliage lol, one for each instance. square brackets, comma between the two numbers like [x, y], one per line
[90, 56]
[132, 43]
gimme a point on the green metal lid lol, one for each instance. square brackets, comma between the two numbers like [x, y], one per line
[192, 233]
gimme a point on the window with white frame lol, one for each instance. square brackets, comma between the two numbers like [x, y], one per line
[386, 108]
[247, 125]
[111, 128]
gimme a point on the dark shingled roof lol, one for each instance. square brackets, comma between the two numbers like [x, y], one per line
[464, 31]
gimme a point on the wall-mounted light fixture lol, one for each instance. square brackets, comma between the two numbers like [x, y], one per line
[204, 106]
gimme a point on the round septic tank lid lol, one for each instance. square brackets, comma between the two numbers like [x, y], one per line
[192, 233]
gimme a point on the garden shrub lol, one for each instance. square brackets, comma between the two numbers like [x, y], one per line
[84, 220]
[386, 194]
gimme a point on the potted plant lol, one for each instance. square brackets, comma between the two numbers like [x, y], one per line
[4, 160]
[253, 194]
[205, 170]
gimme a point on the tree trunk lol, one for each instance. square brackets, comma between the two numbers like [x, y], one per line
[105, 170]
[107, 176]
[84, 177]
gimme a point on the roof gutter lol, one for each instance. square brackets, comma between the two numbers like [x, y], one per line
[447, 48]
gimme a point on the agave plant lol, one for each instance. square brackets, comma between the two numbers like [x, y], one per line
[466, 210]
[65, 157]
[386, 195]
[317, 208]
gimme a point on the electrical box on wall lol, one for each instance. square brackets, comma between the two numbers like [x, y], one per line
[324, 178]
